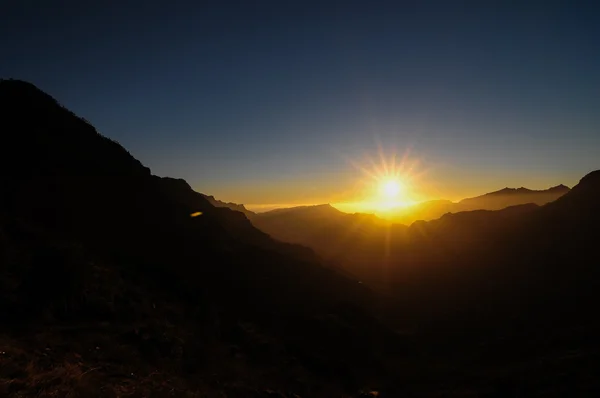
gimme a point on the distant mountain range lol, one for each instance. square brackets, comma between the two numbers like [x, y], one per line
[430, 210]
[427, 210]
[116, 282]
[492, 247]
[347, 239]
[337, 236]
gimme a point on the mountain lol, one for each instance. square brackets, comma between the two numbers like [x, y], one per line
[430, 210]
[511, 197]
[520, 254]
[233, 206]
[340, 238]
[110, 288]
[463, 251]
[511, 282]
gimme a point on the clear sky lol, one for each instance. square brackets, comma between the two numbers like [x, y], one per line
[266, 102]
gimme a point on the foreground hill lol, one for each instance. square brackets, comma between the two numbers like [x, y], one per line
[110, 288]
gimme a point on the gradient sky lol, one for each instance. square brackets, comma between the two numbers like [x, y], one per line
[266, 102]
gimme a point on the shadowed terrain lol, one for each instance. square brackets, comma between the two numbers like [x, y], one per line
[98, 252]
[371, 248]
[353, 242]
[109, 288]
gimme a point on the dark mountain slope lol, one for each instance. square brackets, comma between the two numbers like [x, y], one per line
[91, 238]
[536, 262]
[233, 206]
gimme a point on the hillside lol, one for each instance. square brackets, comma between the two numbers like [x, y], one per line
[98, 252]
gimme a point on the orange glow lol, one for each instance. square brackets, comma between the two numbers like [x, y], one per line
[390, 184]
[391, 188]
[196, 214]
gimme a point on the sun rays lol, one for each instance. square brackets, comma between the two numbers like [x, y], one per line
[388, 181]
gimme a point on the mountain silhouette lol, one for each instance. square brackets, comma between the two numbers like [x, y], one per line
[511, 197]
[233, 206]
[94, 244]
[469, 248]
[116, 282]
[506, 197]
[347, 240]
[532, 259]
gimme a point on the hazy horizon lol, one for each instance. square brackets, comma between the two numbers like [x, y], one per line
[352, 207]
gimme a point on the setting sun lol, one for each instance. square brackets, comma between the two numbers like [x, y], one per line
[390, 183]
[391, 188]
[393, 194]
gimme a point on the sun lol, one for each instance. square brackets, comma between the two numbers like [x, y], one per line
[391, 188]
[389, 184]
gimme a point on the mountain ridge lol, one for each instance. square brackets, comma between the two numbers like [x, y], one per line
[90, 234]
[231, 205]
[522, 190]
[496, 200]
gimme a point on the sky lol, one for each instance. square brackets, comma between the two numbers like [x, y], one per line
[285, 102]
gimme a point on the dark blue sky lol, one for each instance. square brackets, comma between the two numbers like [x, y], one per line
[265, 102]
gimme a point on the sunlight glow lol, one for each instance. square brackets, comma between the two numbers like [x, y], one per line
[391, 183]
[391, 188]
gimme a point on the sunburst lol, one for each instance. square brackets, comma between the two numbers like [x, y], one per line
[390, 181]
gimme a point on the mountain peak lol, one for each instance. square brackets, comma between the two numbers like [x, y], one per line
[524, 191]
[559, 188]
[509, 191]
[325, 207]
[591, 179]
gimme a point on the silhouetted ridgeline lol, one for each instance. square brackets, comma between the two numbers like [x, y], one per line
[430, 210]
[98, 252]
[109, 288]
[230, 205]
